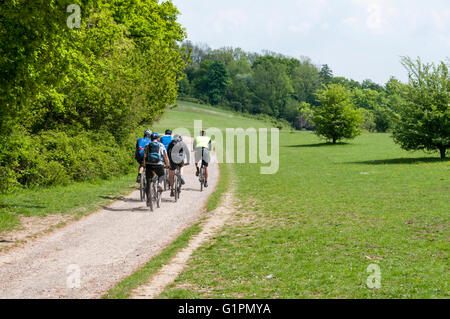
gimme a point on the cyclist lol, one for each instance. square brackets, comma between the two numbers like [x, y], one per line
[202, 146]
[177, 152]
[155, 156]
[166, 139]
[139, 155]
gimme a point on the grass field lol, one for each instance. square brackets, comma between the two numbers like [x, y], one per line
[312, 229]
[186, 113]
[309, 231]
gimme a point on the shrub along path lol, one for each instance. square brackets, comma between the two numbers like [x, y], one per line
[105, 247]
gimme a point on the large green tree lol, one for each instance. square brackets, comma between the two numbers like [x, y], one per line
[272, 85]
[217, 82]
[119, 69]
[424, 116]
[336, 117]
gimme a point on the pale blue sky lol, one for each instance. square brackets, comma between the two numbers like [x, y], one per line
[359, 39]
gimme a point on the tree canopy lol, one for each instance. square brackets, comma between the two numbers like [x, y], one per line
[66, 88]
[424, 117]
[120, 68]
[336, 117]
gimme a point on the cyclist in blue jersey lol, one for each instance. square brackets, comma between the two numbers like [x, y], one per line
[155, 157]
[139, 155]
[166, 139]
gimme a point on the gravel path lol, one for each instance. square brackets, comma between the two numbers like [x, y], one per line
[103, 248]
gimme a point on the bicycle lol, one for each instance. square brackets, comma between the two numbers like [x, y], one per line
[201, 177]
[143, 186]
[177, 184]
[153, 195]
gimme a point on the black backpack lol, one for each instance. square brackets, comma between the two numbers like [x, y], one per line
[152, 151]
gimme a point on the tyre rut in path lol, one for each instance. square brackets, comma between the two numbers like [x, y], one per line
[105, 246]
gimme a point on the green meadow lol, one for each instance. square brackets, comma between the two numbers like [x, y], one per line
[309, 231]
[313, 229]
[184, 115]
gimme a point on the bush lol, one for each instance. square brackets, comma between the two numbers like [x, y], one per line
[55, 158]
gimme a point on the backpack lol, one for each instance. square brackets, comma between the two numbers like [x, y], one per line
[140, 147]
[166, 140]
[178, 157]
[152, 151]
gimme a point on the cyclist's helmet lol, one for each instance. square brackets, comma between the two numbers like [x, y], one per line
[154, 136]
[147, 133]
[168, 132]
[177, 138]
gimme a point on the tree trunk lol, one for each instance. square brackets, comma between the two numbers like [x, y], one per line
[443, 149]
[334, 140]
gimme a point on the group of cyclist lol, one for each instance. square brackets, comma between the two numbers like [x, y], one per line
[155, 152]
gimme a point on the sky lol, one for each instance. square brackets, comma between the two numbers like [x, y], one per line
[358, 39]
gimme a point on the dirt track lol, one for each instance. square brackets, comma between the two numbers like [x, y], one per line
[105, 246]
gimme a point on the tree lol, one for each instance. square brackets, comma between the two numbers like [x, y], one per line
[369, 84]
[424, 117]
[326, 74]
[217, 80]
[119, 69]
[272, 86]
[336, 117]
[305, 79]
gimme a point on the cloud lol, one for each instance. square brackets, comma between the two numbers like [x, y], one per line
[302, 27]
[351, 22]
[379, 14]
[441, 19]
[230, 20]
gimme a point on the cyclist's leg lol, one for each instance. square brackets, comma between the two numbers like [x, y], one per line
[205, 167]
[181, 173]
[159, 171]
[172, 168]
[171, 175]
[205, 163]
[140, 171]
[198, 158]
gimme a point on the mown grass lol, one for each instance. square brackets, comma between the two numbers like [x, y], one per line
[186, 113]
[77, 199]
[222, 187]
[330, 212]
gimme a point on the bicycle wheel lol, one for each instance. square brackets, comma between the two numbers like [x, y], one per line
[142, 187]
[166, 179]
[175, 187]
[157, 197]
[150, 196]
[202, 178]
[145, 187]
[179, 183]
